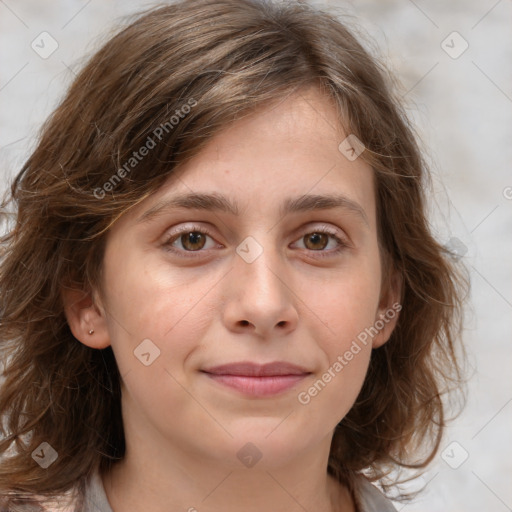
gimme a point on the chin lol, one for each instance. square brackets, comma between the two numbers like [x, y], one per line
[258, 443]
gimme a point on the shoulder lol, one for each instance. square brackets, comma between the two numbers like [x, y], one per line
[369, 498]
[69, 501]
[39, 504]
[91, 498]
[95, 498]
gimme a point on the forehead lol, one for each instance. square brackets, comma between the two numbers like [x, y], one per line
[272, 157]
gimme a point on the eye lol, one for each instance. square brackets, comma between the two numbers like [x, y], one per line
[192, 239]
[318, 240]
[188, 239]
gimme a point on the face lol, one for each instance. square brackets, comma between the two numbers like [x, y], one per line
[192, 286]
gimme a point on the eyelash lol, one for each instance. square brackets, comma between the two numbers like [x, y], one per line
[193, 229]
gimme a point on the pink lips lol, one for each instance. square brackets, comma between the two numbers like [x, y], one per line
[258, 380]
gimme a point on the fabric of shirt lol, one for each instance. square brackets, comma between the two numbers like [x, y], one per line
[368, 497]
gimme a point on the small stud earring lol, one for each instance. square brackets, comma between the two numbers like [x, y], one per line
[91, 331]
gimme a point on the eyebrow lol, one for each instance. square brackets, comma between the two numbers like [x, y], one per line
[218, 202]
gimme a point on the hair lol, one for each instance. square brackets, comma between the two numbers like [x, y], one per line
[224, 59]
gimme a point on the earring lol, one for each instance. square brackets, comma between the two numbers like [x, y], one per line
[91, 331]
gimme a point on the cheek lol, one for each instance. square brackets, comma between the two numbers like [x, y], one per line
[347, 302]
[156, 318]
[149, 300]
[346, 307]
[346, 348]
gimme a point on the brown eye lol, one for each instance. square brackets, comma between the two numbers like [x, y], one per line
[323, 243]
[316, 241]
[193, 240]
[189, 240]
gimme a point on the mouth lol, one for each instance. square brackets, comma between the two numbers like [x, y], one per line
[258, 380]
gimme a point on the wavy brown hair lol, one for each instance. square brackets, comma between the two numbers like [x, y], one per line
[230, 57]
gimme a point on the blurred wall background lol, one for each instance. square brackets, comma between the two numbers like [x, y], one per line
[454, 61]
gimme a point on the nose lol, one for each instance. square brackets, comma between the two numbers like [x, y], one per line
[260, 298]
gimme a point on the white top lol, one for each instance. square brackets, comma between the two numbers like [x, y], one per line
[368, 497]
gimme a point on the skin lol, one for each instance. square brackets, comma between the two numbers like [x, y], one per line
[183, 430]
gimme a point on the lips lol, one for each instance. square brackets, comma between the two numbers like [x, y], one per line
[256, 380]
[249, 369]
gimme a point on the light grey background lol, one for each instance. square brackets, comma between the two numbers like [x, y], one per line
[463, 110]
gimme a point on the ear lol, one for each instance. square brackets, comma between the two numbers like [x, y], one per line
[83, 316]
[389, 308]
